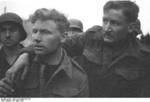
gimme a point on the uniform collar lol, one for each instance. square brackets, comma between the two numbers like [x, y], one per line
[132, 50]
[129, 47]
[64, 65]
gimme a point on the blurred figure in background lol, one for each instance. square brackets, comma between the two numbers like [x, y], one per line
[137, 31]
[75, 27]
[145, 39]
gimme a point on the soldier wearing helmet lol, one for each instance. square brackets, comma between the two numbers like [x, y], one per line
[75, 27]
[11, 34]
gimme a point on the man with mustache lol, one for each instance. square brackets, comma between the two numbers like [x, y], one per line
[116, 63]
[11, 34]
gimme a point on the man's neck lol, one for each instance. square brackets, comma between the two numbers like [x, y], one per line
[120, 47]
[119, 44]
[12, 51]
[53, 58]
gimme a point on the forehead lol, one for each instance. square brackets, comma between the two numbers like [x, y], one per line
[46, 24]
[114, 14]
[9, 25]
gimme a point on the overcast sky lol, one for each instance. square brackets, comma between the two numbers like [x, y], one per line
[88, 11]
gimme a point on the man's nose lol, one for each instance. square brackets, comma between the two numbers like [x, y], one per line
[107, 27]
[7, 33]
[37, 37]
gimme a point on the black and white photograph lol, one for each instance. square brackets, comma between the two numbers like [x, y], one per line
[82, 49]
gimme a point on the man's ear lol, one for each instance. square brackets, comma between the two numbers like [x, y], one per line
[131, 27]
[63, 36]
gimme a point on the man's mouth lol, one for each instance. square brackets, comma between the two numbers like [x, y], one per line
[107, 36]
[8, 41]
[38, 47]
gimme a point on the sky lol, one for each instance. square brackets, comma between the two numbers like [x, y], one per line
[90, 12]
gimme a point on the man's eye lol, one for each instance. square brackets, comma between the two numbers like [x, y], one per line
[105, 20]
[46, 32]
[13, 29]
[115, 23]
[34, 31]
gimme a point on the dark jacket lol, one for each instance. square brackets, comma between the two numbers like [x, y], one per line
[114, 71]
[119, 70]
[69, 80]
[4, 65]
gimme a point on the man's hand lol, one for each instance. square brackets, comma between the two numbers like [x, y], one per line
[6, 88]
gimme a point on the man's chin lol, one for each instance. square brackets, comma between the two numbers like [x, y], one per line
[9, 45]
[39, 52]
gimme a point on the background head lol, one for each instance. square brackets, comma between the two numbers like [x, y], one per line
[75, 26]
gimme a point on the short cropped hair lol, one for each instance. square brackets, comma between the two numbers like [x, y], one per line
[51, 14]
[130, 9]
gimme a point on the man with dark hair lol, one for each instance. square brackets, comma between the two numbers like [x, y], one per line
[11, 34]
[52, 73]
[129, 9]
[116, 63]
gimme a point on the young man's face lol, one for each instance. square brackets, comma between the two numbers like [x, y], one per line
[115, 26]
[46, 37]
[10, 34]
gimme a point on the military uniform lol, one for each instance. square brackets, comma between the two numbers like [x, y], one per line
[68, 80]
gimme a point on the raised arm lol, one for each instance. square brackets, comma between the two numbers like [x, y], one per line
[75, 44]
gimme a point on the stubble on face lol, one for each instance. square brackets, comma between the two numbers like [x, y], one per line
[48, 39]
[115, 26]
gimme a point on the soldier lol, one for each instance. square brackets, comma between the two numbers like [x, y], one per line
[75, 27]
[52, 73]
[117, 64]
[11, 34]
